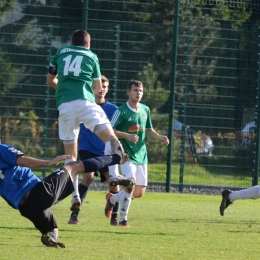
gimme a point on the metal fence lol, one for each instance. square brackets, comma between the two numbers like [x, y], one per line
[198, 60]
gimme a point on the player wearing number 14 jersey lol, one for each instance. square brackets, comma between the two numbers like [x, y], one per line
[72, 72]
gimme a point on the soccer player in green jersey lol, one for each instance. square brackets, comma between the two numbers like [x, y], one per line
[132, 123]
[72, 71]
[90, 146]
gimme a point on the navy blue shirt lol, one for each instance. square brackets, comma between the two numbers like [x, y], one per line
[15, 181]
[88, 140]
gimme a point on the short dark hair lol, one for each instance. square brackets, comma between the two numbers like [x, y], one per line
[80, 38]
[134, 82]
[104, 79]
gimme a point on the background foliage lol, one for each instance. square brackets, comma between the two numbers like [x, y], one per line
[213, 88]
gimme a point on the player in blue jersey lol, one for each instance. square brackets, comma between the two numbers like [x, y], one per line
[33, 197]
[90, 146]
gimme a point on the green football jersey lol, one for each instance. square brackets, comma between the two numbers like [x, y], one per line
[125, 119]
[76, 67]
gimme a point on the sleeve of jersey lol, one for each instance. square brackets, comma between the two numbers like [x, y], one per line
[8, 155]
[53, 67]
[116, 119]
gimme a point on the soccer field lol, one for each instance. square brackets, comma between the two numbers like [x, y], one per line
[164, 226]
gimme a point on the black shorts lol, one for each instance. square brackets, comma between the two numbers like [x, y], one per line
[51, 190]
[84, 154]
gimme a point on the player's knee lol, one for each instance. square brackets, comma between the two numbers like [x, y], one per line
[87, 178]
[69, 141]
[114, 189]
[138, 195]
[101, 128]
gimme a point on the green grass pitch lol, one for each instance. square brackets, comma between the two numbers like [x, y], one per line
[164, 226]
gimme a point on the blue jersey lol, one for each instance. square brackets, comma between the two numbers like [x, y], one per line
[88, 140]
[15, 181]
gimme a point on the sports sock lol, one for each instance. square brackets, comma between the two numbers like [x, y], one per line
[124, 204]
[97, 163]
[75, 183]
[53, 235]
[116, 197]
[115, 208]
[250, 193]
[83, 190]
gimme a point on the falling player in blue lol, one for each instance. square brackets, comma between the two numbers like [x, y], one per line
[33, 197]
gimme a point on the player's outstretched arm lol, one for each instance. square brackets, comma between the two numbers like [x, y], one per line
[37, 163]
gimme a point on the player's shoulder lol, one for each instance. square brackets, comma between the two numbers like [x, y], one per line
[6, 147]
[65, 48]
[76, 49]
[10, 149]
[124, 104]
[123, 107]
[145, 107]
[112, 105]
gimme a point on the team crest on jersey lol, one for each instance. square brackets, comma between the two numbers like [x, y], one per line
[13, 150]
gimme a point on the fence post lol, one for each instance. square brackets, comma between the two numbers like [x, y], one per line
[47, 107]
[257, 113]
[172, 95]
[117, 43]
[184, 108]
[85, 15]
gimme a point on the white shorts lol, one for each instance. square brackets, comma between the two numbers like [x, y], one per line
[136, 171]
[72, 113]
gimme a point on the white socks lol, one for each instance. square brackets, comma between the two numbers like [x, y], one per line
[116, 197]
[53, 236]
[124, 199]
[76, 187]
[124, 205]
[250, 193]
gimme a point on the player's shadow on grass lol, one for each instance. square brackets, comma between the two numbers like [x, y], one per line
[130, 233]
[121, 231]
[207, 221]
[22, 228]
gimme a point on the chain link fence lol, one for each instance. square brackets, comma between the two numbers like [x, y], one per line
[199, 66]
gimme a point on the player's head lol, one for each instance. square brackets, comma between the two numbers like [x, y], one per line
[105, 87]
[81, 38]
[105, 81]
[135, 90]
[134, 83]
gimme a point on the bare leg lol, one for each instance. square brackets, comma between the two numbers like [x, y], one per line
[71, 149]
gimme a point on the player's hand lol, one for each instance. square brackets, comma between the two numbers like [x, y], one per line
[133, 138]
[164, 139]
[57, 159]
